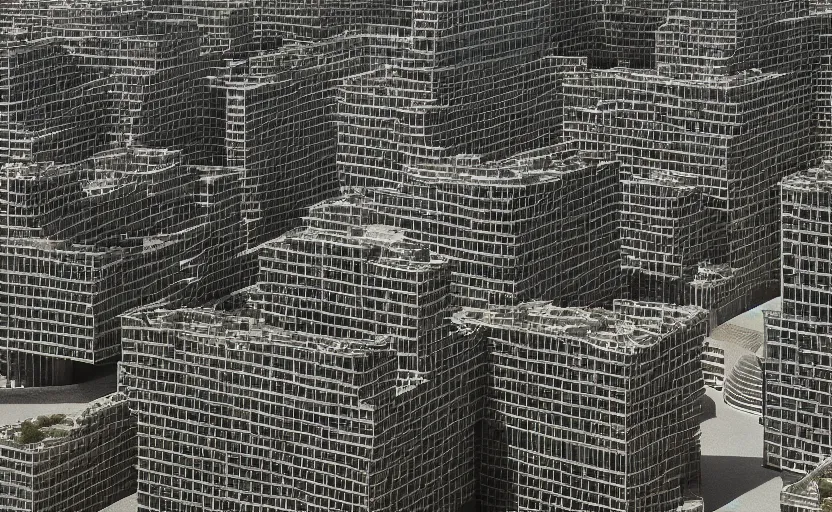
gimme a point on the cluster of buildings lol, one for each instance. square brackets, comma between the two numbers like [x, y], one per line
[412, 255]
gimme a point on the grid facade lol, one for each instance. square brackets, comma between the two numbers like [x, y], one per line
[591, 410]
[84, 463]
[731, 137]
[82, 239]
[369, 281]
[399, 117]
[551, 231]
[149, 68]
[664, 225]
[48, 122]
[276, 120]
[798, 371]
[707, 38]
[267, 419]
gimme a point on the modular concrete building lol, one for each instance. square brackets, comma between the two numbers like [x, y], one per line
[798, 371]
[82, 462]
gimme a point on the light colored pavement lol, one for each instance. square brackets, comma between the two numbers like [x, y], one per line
[128, 504]
[733, 479]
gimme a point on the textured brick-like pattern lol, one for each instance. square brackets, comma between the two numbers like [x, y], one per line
[86, 463]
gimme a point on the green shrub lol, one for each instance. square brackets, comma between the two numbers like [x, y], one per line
[825, 487]
[30, 433]
[48, 421]
[826, 506]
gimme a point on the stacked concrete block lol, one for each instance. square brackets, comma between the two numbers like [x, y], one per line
[623, 32]
[87, 242]
[46, 116]
[274, 420]
[572, 404]
[453, 89]
[288, 165]
[709, 38]
[551, 231]
[368, 280]
[715, 136]
[225, 28]
[664, 227]
[798, 383]
[392, 118]
[84, 462]
[698, 120]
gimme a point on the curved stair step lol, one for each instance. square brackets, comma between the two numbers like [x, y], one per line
[744, 385]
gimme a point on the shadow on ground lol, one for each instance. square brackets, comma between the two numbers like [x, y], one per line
[726, 478]
[708, 408]
[90, 386]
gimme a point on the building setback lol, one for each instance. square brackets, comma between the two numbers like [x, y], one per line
[798, 341]
[368, 281]
[83, 462]
[550, 231]
[268, 420]
[714, 136]
[414, 431]
[273, 115]
[271, 419]
[86, 242]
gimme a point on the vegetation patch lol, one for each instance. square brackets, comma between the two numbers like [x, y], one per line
[48, 421]
[38, 430]
[30, 433]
